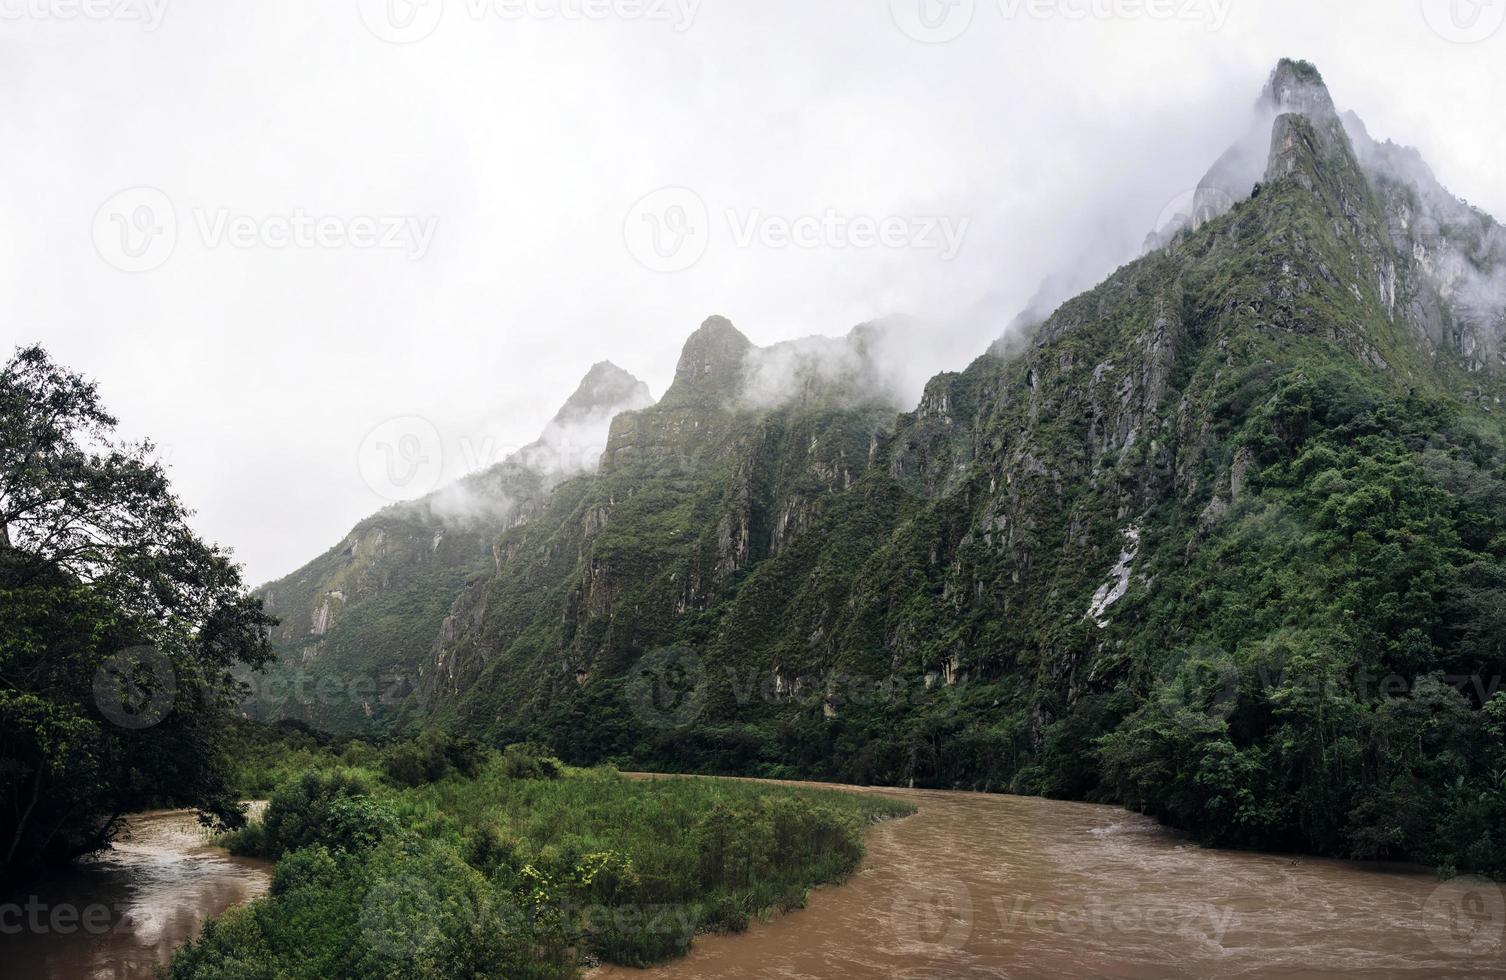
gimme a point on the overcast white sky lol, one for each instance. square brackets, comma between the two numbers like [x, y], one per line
[520, 139]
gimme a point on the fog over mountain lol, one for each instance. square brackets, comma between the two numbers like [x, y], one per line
[532, 489]
[455, 228]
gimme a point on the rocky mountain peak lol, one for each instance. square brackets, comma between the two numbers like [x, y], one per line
[606, 387]
[1294, 88]
[1297, 86]
[711, 362]
[1307, 133]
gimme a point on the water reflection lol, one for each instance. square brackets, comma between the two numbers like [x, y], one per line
[120, 916]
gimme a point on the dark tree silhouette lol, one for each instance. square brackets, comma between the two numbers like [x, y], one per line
[119, 628]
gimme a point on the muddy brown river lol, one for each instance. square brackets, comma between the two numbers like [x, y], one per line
[971, 886]
[976, 886]
[120, 916]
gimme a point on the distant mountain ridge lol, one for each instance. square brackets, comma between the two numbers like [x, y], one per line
[736, 459]
[357, 623]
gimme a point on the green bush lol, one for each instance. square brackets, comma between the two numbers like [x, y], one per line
[529, 761]
[431, 757]
[406, 911]
[409, 765]
[332, 809]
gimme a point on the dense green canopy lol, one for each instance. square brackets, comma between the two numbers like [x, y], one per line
[118, 628]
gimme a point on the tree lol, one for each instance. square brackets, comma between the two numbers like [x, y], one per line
[119, 628]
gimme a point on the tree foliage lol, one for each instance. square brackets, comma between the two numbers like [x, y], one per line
[119, 628]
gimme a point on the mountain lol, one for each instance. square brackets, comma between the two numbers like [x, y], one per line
[357, 623]
[1223, 538]
[740, 456]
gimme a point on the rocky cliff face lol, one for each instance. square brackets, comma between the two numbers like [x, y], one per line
[1445, 269]
[731, 465]
[357, 623]
[1114, 557]
[1449, 278]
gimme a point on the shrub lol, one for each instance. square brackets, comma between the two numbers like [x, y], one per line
[431, 757]
[230, 947]
[333, 809]
[356, 823]
[408, 765]
[529, 761]
[428, 914]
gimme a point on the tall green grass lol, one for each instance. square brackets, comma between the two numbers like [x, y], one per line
[494, 875]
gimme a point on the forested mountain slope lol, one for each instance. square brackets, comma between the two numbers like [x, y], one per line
[1223, 538]
[357, 623]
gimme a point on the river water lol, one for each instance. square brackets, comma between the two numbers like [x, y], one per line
[976, 886]
[119, 916]
[972, 886]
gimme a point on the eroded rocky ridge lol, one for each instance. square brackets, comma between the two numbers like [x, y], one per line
[357, 623]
